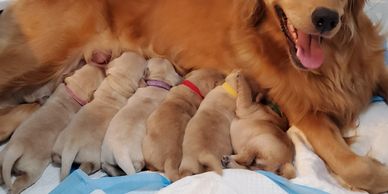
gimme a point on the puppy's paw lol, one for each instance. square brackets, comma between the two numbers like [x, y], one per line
[138, 165]
[226, 161]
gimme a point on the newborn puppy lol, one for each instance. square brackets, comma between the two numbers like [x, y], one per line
[122, 145]
[162, 147]
[81, 140]
[207, 136]
[29, 150]
[258, 137]
[13, 116]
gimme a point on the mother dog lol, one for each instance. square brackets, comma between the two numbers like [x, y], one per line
[320, 60]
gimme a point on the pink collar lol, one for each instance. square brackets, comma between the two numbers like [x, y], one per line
[159, 84]
[80, 101]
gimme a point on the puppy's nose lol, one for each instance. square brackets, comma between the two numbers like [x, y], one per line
[325, 19]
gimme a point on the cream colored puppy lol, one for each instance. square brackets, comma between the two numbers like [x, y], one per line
[207, 137]
[12, 117]
[29, 150]
[122, 144]
[162, 146]
[258, 137]
[81, 141]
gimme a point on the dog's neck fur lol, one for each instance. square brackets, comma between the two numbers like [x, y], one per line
[334, 90]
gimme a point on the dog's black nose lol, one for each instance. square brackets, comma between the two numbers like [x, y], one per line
[325, 19]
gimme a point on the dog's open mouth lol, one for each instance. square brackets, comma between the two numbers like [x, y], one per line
[305, 49]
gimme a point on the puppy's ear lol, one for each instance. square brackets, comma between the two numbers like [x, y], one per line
[146, 73]
[258, 13]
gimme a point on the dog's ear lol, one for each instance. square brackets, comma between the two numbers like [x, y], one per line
[258, 13]
[356, 6]
[252, 11]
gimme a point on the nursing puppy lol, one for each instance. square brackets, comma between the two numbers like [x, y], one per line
[207, 136]
[122, 145]
[162, 146]
[258, 136]
[81, 140]
[29, 150]
[12, 117]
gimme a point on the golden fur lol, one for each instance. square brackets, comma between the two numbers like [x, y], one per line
[81, 140]
[221, 35]
[258, 138]
[122, 145]
[29, 150]
[207, 134]
[162, 145]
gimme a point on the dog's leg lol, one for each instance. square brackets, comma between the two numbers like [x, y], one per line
[326, 139]
[382, 89]
[10, 121]
[230, 162]
[189, 166]
[112, 170]
[29, 175]
[244, 158]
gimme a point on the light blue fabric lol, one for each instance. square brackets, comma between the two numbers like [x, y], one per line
[79, 183]
[148, 182]
[289, 187]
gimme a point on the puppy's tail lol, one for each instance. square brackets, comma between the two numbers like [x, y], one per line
[287, 170]
[211, 162]
[13, 153]
[171, 168]
[124, 162]
[68, 155]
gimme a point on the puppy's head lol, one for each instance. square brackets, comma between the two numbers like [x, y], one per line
[232, 78]
[205, 79]
[129, 66]
[85, 81]
[307, 25]
[162, 69]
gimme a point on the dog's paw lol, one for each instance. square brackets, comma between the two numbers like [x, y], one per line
[225, 161]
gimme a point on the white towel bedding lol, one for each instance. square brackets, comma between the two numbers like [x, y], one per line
[372, 141]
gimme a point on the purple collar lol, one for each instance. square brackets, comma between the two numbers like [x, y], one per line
[159, 84]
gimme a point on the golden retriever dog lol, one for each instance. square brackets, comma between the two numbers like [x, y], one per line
[12, 117]
[122, 145]
[320, 60]
[29, 150]
[81, 140]
[258, 136]
[162, 146]
[207, 135]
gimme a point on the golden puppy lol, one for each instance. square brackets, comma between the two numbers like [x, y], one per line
[207, 136]
[258, 136]
[162, 146]
[29, 150]
[81, 140]
[122, 145]
[13, 116]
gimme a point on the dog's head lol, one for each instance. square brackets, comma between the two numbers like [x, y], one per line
[307, 25]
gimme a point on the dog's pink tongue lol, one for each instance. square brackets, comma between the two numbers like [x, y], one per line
[309, 52]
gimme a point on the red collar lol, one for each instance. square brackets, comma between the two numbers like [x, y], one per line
[192, 87]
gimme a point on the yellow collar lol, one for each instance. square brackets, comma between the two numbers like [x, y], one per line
[229, 89]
